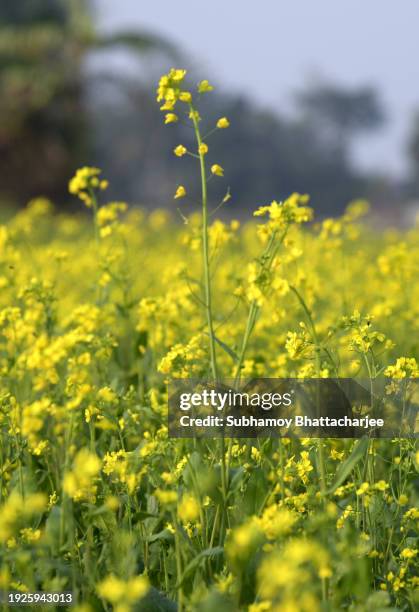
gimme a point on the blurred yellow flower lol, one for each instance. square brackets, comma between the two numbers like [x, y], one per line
[188, 509]
[180, 151]
[180, 192]
[204, 86]
[185, 96]
[171, 118]
[217, 170]
[123, 593]
[223, 123]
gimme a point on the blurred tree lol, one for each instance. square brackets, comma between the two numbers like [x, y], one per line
[43, 129]
[339, 114]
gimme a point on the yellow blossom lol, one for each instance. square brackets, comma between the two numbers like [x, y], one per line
[188, 509]
[217, 170]
[185, 96]
[408, 553]
[171, 118]
[204, 87]
[166, 497]
[180, 192]
[180, 151]
[223, 123]
[80, 482]
[118, 591]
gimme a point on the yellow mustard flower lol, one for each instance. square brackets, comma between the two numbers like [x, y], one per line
[223, 123]
[188, 509]
[180, 151]
[180, 192]
[171, 118]
[204, 87]
[217, 170]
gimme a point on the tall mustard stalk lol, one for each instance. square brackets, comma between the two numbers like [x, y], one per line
[205, 246]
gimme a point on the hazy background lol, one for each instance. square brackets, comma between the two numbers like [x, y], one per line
[271, 49]
[323, 98]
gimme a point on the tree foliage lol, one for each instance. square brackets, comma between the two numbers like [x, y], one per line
[43, 133]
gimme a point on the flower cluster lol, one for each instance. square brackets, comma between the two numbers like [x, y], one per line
[85, 182]
[281, 214]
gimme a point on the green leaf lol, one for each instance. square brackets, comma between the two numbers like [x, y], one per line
[141, 516]
[255, 493]
[358, 451]
[216, 551]
[236, 476]
[165, 534]
[227, 349]
[155, 601]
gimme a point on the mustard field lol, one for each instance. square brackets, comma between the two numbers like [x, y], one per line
[99, 309]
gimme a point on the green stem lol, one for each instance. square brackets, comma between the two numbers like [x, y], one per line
[65, 499]
[317, 352]
[205, 249]
[95, 210]
[266, 259]
[178, 566]
[308, 315]
[251, 320]
[208, 304]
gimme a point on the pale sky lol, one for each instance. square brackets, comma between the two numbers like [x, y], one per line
[269, 48]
